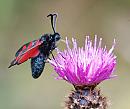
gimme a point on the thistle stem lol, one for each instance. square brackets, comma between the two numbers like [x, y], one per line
[86, 98]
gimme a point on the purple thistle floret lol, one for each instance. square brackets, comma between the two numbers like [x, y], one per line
[88, 65]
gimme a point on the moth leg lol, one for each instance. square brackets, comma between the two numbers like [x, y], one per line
[46, 61]
[52, 55]
[49, 58]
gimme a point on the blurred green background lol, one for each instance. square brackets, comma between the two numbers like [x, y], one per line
[24, 20]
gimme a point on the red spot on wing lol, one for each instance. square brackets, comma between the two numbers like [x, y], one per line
[30, 45]
[24, 47]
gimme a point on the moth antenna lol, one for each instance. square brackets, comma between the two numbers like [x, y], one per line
[53, 21]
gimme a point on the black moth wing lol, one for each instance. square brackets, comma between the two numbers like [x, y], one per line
[26, 47]
[37, 65]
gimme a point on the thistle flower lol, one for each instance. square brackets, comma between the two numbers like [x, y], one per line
[85, 67]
